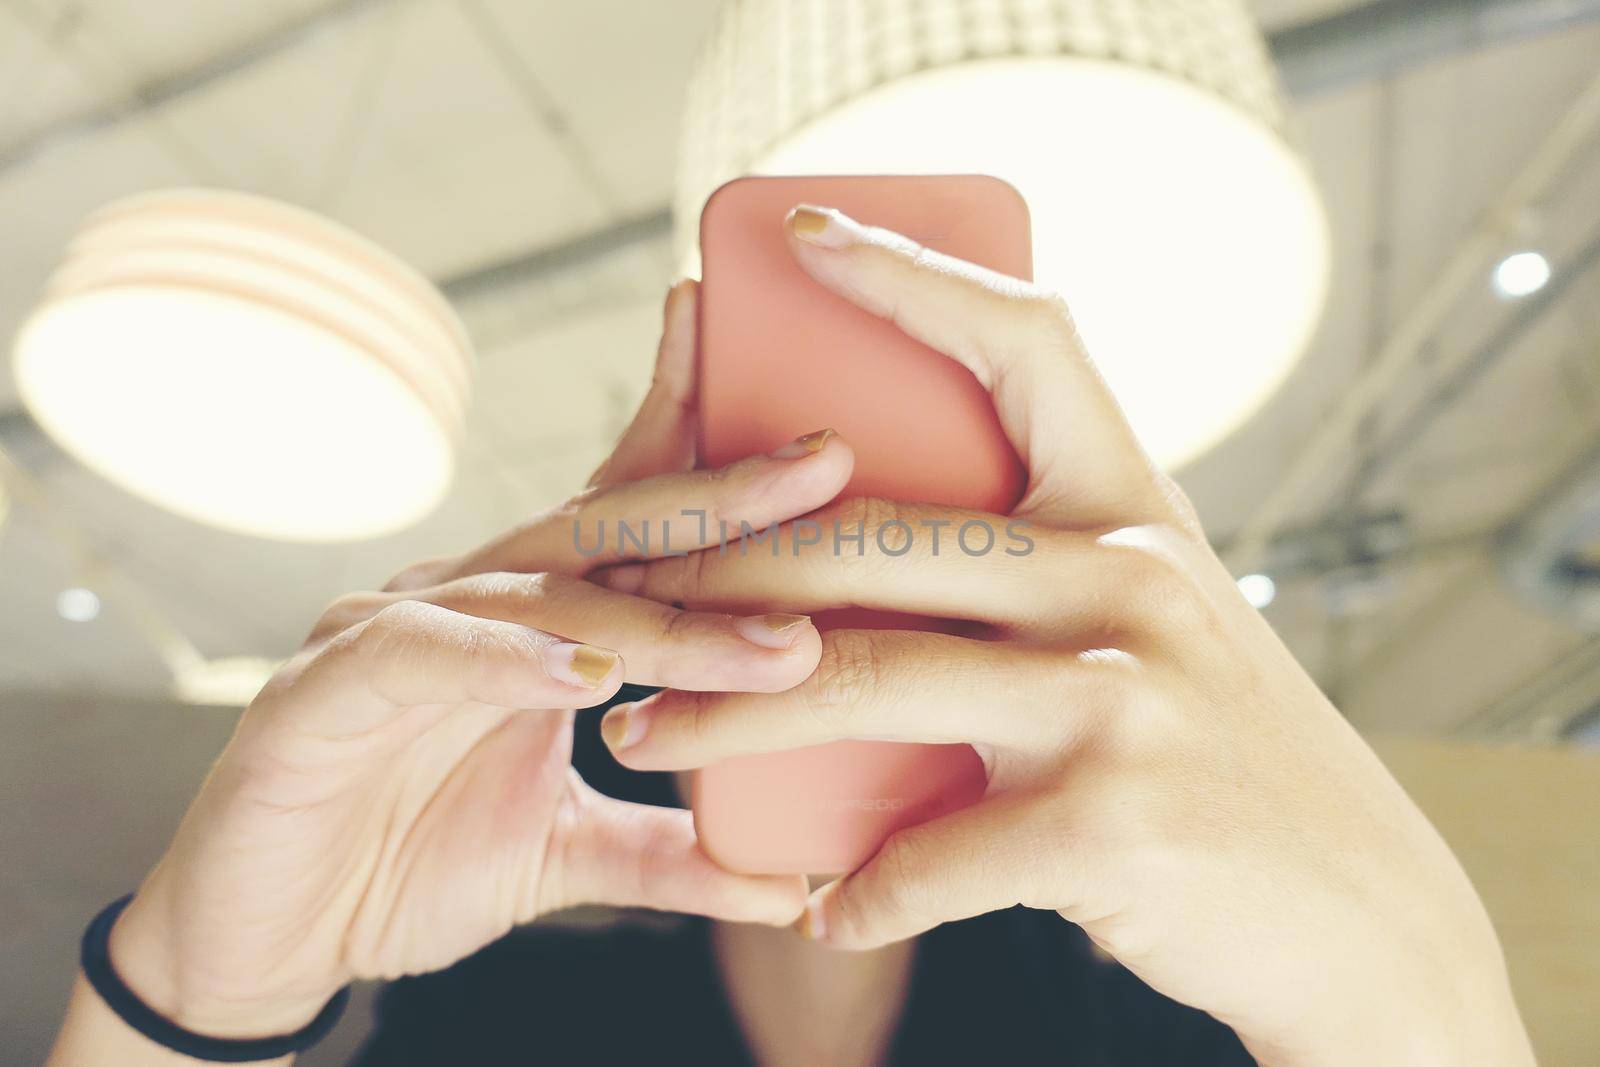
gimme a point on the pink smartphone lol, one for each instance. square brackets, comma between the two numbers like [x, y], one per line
[780, 356]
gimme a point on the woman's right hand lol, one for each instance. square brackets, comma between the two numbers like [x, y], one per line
[401, 792]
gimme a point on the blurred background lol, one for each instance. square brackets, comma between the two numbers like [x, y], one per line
[1416, 508]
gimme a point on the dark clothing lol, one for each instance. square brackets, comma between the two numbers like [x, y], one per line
[1011, 989]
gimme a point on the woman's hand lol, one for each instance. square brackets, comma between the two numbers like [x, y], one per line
[1162, 771]
[401, 792]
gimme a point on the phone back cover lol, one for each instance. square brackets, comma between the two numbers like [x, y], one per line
[780, 356]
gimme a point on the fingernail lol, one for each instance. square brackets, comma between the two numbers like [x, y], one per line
[583, 665]
[810, 925]
[674, 294]
[771, 631]
[823, 226]
[807, 445]
[622, 726]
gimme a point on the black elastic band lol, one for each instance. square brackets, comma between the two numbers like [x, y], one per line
[96, 959]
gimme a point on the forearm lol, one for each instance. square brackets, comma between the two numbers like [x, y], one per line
[92, 1035]
[138, 955]
[1468, 1016]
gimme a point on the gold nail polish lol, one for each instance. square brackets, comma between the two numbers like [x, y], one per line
[814, 442]
[614, 727]
[809, 445]
[593, 664]
[809, 221]
[782, 624]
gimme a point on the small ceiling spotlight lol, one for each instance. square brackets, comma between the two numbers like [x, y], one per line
[1259, 589]
[78, 604]
[1521, 274]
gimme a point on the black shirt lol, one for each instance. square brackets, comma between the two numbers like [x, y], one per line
[1013, 988]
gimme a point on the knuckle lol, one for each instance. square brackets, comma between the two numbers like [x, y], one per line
[694, 714]
[907, 894]
[1161, 586]
[1126, 711]
[1169, 591]
[1100, 684]
[876, 512]
[676, 580]
[719, 499]
[883, 526]
[848, 670]
[401, 621]
[513, 596]
[1050, 320]
[506, 588]
[691, 576]
[282, 680]
[680, 628]
[726, 475]
[345, 612]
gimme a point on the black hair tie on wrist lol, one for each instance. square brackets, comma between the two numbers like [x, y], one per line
[96, 960]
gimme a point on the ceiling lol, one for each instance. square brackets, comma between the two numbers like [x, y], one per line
[522, 152]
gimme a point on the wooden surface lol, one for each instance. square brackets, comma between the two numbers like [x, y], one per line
[1526, 824]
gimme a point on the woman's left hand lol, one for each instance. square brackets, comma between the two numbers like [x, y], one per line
[1162, 771]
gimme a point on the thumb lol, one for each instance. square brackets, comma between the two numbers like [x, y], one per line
[661, 437]
[969, 862]
[638, 855]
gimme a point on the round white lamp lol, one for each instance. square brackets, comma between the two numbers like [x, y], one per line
[1148, 138]
[249, 365]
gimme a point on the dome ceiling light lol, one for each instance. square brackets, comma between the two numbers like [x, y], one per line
[1148, 139]
[249, 365]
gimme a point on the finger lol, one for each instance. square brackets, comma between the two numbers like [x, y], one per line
[412, 653]
[1051, 583]
[659, 440]
[421, 574]
[992, 855]
[1085, 465]
[661, 437]
[635, 855]
[923, 559]
[671, 513]
[881, 685]
[660, 645]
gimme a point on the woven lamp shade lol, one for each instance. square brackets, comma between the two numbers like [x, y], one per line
[1148, 136]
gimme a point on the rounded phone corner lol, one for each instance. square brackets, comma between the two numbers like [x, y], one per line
[719, 194]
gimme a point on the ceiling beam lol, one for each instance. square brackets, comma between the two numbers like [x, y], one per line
[1380, 38]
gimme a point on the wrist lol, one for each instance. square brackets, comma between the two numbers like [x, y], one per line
[184, 984]
[1465, 1016]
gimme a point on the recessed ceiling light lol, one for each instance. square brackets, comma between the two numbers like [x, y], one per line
[1259, 589]
[1520, 274]
[78, 604]
[249, 365]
